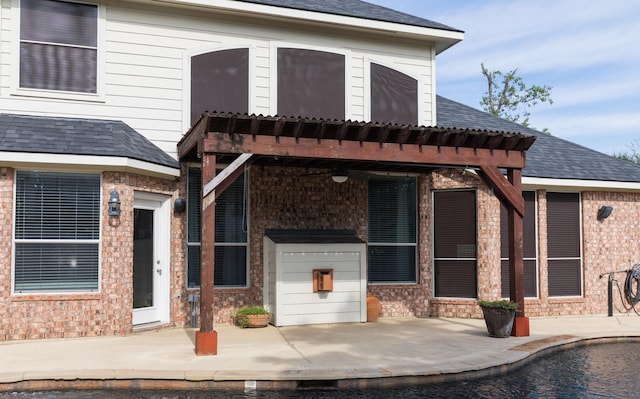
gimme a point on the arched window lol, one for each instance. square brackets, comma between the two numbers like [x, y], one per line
[311, 83]
[220, 82]
[394, 96]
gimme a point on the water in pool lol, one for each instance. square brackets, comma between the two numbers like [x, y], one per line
[609, 370]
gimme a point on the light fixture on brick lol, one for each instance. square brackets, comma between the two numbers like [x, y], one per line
[114, 204]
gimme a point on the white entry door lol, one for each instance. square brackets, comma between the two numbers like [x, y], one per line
[151, 253]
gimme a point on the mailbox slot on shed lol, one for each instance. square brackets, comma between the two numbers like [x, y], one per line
[322, 280]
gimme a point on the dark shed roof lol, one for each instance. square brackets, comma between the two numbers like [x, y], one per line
[549, 156]
[357, 9]
[74, 136]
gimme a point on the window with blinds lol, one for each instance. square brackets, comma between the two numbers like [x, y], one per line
[530, 247]
[57, 232]
[311, 83]
[231, 238]
[392, 215]
[563, 244]
[58, 45]
[394, 96]
[454, 244]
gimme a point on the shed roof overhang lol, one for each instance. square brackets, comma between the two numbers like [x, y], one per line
[239, 139]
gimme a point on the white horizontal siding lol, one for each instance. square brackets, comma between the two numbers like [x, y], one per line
[145, 66]
[297, 303]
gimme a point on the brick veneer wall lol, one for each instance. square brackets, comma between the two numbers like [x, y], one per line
[107, 312]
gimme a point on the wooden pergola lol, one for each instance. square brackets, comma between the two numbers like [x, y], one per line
[240, 139]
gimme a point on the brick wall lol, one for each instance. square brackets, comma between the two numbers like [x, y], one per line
[107, 312]
[290, 198]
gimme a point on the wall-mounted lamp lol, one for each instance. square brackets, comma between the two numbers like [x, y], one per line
[604, 212]
[339, 178]
[114, 204]
[180, 205]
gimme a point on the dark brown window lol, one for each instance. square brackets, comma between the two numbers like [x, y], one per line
[454, 242]
[563, 244]
[394, 96]
[220, 82]
[58, 46]
[530, 245]
[311, 83]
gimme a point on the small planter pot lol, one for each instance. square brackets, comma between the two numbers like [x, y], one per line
[254, 320]
[373, 308]
[499, 321]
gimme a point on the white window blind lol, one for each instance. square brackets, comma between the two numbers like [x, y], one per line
[57, 232]
[392, 234]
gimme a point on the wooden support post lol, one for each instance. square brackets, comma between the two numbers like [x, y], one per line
[516, 263]
[207, 338]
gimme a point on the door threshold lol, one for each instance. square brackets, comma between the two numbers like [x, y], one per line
[156, 325]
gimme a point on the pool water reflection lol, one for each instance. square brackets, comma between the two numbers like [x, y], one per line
[608, 370]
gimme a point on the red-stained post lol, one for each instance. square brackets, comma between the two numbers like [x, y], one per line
[207, 338]
[516, 262]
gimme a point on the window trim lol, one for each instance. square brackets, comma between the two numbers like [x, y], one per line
[97, 241]
[580, 238]
[367, 87]
[273, 73]
[415, 245]
[98, 96]
[199, 244]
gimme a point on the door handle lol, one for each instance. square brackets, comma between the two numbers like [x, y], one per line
[159, 271]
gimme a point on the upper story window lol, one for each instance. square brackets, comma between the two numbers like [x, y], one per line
[220, 82]
[311, 83]
[394, 96]
[58, 46]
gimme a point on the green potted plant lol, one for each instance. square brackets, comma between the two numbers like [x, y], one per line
[498, 316]
[252, 317]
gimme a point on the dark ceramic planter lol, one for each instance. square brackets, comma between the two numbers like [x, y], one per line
[499, 321]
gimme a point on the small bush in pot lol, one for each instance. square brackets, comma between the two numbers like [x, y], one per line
[252, 316]
[498, 316]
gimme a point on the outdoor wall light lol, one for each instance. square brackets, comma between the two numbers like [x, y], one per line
[180, 205]
[339, 178]
[114, 204]
[604, 212]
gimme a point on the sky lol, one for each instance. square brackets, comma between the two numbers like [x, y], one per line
[587, 51]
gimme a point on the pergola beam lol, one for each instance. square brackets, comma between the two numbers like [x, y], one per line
[285, 146]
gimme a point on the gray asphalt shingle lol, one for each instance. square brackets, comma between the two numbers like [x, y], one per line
[357, 9]
[549, 156]
[75, 136]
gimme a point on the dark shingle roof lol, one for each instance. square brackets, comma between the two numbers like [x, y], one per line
[72, 136]
[549, 156]
[357, 9]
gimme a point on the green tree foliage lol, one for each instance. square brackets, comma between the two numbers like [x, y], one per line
[633, 155]
[508, 97]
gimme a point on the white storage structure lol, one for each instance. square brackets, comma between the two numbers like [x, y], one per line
[337, 259]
